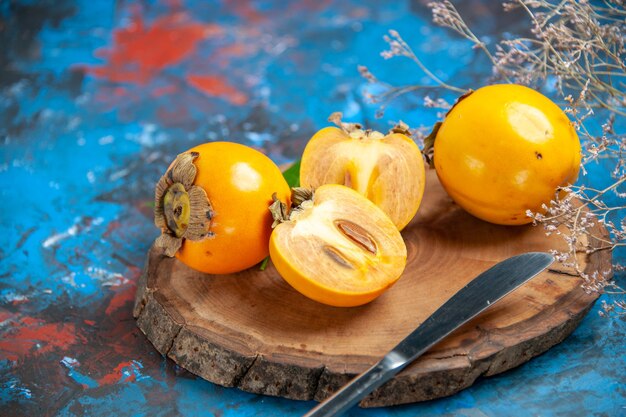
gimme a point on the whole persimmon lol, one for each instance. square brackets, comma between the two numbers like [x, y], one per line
[211, 206]
[503, 150]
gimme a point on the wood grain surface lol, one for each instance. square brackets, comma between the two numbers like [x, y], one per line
[253, 331]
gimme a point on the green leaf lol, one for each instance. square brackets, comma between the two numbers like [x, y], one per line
[264, 263]
[292, 174]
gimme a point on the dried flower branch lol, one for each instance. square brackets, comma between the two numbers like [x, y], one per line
[578, 43]
[446, 15]
[399, 48]
[577, 50]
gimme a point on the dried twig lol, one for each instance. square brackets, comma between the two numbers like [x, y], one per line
[578, 49]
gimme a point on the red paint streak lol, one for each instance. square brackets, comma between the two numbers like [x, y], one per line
[236, 50]
[134, 272]
[89, 322]
[312, 5]
[165, 90]
[111, 98]
[246, 10]
[9, 353]
[34, 336]
[120, 92]
[125, 293]
[30, 321]
[5, 315]
[20, 301]
[217, 86]
[177, 114]
[126, 338]
[141, 51]
[359, 13]
[112, 226]
[118, 374]
[175, 4]
[122, 296]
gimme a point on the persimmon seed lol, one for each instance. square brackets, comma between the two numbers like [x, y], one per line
[337, 256]
[357, 234]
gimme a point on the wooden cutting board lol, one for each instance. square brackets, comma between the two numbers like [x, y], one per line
[253, 331]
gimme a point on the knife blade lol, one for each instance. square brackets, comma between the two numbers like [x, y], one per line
[480, 293]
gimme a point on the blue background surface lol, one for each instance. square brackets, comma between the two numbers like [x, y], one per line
[96, 98]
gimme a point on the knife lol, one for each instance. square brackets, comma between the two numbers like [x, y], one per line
[467, 303]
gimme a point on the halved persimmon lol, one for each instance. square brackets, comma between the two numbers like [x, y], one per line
[337, 248]
[387, 169]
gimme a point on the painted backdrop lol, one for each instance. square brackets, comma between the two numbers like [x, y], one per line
[97, 97]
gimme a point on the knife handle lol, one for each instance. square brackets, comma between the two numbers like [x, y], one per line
[348, 396]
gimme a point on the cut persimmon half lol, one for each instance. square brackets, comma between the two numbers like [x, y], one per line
[387, 169]
[337, 247]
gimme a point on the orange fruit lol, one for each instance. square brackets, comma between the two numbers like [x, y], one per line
[339, 248]
[387, 169]
[232, 232]
[503, 150]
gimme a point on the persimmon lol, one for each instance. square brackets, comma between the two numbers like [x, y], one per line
[503, 150]
[336, 247]
[211, 207]
[387, 169]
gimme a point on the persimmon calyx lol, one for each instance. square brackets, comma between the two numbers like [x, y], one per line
[355, 130]
[336, 118]
[429, 141]
[176, 209]
[401, 128]
[301, 194]
[279, 210]
[429, 145]
[181, 210]
[301, 197]
[339, 249]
